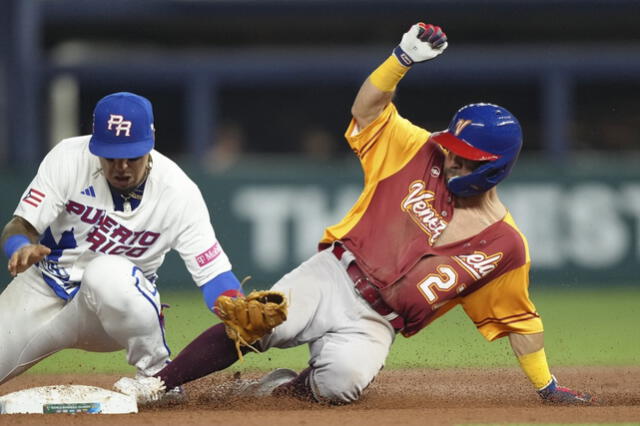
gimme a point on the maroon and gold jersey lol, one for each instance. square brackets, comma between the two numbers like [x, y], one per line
[393, 227]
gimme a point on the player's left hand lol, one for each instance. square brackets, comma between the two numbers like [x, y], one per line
[421, 43]
[554, 394]
[247, 319]
[26, 256]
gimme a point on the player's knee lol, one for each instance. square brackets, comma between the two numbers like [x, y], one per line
[341, 384]
[107, 275]
[112, 288]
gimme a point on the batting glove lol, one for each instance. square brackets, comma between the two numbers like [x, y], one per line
[421, 43]
[554, 394]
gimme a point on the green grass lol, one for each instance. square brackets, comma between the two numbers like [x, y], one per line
[582, 327]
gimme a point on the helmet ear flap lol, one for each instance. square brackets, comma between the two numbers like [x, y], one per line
[495, 174]
[480, 180]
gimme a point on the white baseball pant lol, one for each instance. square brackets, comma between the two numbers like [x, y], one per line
[348, 340]
[115, 308]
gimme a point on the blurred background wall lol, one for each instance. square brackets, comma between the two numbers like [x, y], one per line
[252, 99]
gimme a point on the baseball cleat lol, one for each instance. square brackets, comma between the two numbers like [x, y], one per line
[265, 385]
[145, 390]
[552, 393]
[176, 394]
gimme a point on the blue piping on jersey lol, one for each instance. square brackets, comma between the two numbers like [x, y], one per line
[218, 285]
[133, 274]
[58, 289]
[50, 262]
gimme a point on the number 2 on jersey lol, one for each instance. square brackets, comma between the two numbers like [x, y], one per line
[444, 280]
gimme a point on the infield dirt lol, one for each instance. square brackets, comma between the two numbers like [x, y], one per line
[398, 397]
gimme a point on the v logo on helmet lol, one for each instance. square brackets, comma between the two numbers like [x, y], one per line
[460, 125]
[121, 124]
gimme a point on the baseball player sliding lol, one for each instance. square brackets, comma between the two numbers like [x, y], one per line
[427, 233]
[88, 237]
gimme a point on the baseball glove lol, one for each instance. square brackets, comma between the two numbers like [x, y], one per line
[249, 318]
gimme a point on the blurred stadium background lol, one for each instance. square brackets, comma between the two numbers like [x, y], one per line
[252, 98]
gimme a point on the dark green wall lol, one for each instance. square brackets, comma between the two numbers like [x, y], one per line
[581, 220]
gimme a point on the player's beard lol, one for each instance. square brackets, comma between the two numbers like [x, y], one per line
[130, 190]
[126, 189]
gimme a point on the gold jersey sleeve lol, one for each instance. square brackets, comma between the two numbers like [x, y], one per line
[502, 306]
[386, 144]
[383, 148]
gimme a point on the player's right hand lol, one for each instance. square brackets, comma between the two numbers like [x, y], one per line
[26, 256]
[554, 394]
[421, 43]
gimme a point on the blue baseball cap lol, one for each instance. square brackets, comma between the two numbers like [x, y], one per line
[122, 126]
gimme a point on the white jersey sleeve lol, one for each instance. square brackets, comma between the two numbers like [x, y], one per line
[46, 196]
[196, 241]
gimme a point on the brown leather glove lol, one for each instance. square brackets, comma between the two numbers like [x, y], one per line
[249, 318]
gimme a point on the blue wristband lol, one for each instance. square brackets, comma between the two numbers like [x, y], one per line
[14, 243]
[212, 289]
[402, 57]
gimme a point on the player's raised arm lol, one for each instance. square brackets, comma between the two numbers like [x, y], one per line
[421, 43]
[19, 241]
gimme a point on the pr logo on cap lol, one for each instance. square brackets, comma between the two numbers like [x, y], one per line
[121, 124]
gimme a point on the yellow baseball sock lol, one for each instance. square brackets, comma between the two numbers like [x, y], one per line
[536, 368]
[387, 76]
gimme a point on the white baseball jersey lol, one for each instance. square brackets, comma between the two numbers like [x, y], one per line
[69, 203]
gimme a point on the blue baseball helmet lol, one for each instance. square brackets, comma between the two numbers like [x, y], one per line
[482, 132]
[122, 126]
